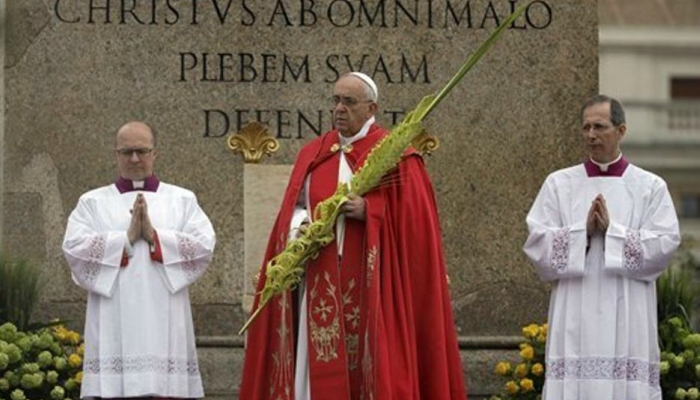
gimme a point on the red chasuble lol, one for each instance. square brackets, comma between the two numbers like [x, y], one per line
[379, 319]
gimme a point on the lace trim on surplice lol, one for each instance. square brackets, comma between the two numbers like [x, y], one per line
[560, 249]
[602, 368]
[188, 250]
[141, 364]
[632, 249]
[89, 270]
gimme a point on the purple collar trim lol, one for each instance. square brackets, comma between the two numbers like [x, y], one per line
[616, 169]
[150, 184]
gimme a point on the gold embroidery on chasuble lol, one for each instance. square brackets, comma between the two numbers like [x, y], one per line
[371, 261]
[324, 323]
[367, 392]
[351, 311]
[283, 369]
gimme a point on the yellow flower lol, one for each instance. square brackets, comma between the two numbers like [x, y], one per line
[537, 369]
[527, 385]
[543, 329]
[81, 349]
[512, 387]
[60, 332]
[527, 353]
[503, 368]
[531, 331]
[79, 377]
[73, 337]
[75, 360]
[521, 370]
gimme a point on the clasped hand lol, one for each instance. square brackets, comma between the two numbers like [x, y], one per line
[140, 226]
[598, 218]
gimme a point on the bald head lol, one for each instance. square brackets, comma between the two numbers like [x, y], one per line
[135, 147]
[137, 128]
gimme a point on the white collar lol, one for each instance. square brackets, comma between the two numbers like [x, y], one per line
[604, 166]
[344, 141]
[138, 184]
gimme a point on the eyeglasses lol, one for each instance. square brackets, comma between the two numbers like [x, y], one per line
[347, 101]
[128, 153]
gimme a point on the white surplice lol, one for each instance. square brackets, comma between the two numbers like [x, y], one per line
[602, 342]
[139, 336]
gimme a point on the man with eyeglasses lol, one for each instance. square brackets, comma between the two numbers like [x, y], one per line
[136, 245]
[602, 232]
[372, 318]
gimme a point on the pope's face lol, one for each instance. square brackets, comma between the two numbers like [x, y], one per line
[351, 108]
[601, 137]
[135, 152]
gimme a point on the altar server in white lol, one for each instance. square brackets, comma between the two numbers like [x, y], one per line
[602, 232]
[136, 246]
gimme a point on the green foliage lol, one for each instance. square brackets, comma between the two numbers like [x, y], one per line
[680, 360]
[677, 297]
[20, 284]
[30, 361]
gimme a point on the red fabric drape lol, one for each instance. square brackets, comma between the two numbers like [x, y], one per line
[380, 318]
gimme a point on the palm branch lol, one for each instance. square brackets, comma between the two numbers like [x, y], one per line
[285, 270]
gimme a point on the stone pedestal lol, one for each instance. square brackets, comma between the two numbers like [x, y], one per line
[75, 71]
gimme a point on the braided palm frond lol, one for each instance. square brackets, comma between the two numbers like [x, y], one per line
[387, 153]
[285, 270]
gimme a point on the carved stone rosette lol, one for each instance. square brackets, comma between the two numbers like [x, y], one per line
[253, 141]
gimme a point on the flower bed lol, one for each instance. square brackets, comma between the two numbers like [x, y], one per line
[40, 365]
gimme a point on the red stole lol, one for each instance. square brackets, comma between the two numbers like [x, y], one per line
[336, 290]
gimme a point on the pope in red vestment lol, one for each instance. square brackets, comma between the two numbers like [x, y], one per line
[372, 318]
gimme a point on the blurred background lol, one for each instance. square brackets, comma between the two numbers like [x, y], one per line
[649, 59]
